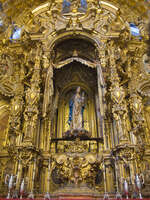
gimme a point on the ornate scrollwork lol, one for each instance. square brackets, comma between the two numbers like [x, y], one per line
[26, 154]
[76, 169]
[76, 146]
[126, 152]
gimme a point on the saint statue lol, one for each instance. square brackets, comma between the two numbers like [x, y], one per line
[76, 110]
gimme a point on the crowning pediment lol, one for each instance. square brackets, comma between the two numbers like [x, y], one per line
[45, 19]
[102, 20]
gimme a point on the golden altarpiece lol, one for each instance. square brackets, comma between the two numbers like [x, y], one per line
[75, 99]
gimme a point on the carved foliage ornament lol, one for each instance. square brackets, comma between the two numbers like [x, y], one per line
[15, 114]
[137, 114]
[76, 146]
[117, 94]
[136, 103]
[75, 169]
[127, 152]
[97, 20]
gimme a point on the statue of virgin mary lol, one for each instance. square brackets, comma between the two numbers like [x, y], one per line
[77, 105]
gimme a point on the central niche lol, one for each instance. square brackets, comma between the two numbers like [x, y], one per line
[77, 86]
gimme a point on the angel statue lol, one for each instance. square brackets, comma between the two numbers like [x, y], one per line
[76, 106]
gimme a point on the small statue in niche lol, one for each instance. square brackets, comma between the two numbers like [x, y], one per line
[76, 106]
[76, 119]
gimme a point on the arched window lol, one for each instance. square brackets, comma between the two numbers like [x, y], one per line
[16, 33]
[83, 6]
[1, 21]
[84, 3]
[67, 6]
[134, 30]
[1, 15]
